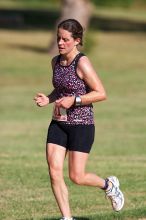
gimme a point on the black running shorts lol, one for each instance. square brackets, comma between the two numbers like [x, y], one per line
[72, 137]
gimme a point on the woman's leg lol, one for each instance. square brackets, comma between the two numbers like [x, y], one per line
[77, 165]
[55, 155]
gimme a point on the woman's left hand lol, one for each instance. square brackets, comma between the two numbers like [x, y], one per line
[65, 102]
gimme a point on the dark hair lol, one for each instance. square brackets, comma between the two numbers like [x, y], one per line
[74, 27]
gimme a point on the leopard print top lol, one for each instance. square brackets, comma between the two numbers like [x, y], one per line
[67, 83]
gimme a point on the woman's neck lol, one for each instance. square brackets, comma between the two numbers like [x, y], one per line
[66, 59]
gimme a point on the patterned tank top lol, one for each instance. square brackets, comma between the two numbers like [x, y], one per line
[67, 83]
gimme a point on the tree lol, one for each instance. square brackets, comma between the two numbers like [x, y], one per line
[77, 9]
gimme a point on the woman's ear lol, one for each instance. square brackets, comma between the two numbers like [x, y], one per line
[77, 41]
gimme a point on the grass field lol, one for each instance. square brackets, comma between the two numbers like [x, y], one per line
[119, 147]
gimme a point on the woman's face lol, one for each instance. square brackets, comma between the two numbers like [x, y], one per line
[66, 43]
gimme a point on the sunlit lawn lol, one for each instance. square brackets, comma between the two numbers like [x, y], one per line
[119, 147]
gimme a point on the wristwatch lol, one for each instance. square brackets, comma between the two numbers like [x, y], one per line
[78, 101]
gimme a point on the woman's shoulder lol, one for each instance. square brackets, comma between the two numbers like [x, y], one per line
[84, 61]
[84, 67]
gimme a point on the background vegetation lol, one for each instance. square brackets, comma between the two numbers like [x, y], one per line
[121, 3]
[119, 148]
[54, 3]
[132, 9]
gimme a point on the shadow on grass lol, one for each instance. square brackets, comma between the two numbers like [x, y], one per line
[48, 218]
[23, 19]
[80, 218]
[139, 213]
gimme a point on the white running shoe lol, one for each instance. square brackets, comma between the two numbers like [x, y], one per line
[115, 194]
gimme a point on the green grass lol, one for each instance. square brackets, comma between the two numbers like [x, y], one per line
[133, 14]
[119, 146]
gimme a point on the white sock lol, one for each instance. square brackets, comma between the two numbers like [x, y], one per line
[109, 187]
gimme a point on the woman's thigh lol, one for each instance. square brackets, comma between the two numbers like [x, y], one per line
[77, 162]
[55, 155]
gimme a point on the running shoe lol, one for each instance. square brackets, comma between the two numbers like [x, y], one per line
[115, 194]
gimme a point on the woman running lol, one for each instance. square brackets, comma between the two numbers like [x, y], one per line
[76, 87]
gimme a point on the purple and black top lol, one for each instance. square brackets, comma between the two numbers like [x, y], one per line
[67, 83]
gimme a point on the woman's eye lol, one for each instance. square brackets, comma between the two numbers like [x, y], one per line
[65, 39]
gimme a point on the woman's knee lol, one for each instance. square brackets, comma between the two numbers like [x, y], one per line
[55, 159]
[77, 178]
[55, 172]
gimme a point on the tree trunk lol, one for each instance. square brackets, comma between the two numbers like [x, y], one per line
[76, 9]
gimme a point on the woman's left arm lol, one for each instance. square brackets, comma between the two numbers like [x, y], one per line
[87, 73]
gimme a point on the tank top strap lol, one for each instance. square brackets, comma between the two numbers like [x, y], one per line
[58, 59]
[77, 59]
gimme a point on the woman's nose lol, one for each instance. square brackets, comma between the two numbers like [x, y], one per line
[60, 42]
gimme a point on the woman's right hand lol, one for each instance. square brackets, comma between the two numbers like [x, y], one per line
[41, 99]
